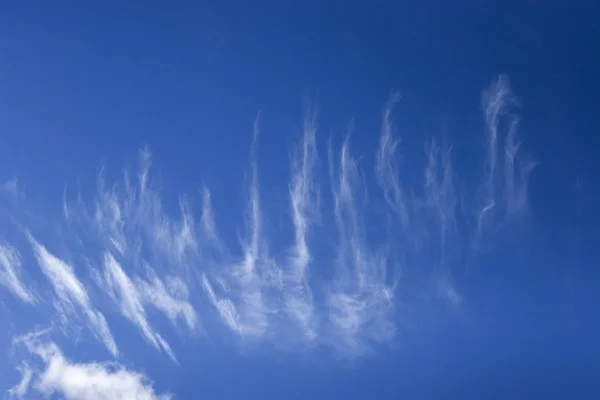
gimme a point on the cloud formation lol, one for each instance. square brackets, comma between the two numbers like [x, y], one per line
[123, 292]
[72, 296]
[330, 276]
[246, 282]
[361, 296]
[59, 376]
[149, 255]
[10, 274]
[506, 176]
[304, 198]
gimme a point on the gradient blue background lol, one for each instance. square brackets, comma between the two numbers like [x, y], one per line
[87, 83]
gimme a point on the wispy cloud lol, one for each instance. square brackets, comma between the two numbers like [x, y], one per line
[158, 250]
[361, 297]
[21, 388]
[387, 167]
[207, 220]
[440, 198]
[280, 284]
[129, 218]
[123, 292]
[10, 274]
[71, 293]
[12, 189]
[225, 308]
[425, 216]
[59, 376]
[504, 189]
[304, 204]
[254, 274]
[171, 299]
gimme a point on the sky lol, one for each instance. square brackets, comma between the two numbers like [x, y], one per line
[299, 200]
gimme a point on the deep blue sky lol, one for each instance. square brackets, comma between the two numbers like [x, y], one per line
[86, 84]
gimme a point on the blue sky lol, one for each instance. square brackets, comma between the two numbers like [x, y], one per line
[285, 200]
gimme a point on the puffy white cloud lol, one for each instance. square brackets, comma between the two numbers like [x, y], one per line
[60, 376]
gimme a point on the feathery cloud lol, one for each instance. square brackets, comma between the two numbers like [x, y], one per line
[71, 293]
[10, 274]
[304, 204]
[387, 166]
[504, 190]
[360, 300]
[21, 388]
[153, 256]
[254, 274]
[171, 299]
[123, 292]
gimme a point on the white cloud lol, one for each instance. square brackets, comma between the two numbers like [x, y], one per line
[21, 388]
[504, 190]
[59, 376]
[304, 203]
[12, 189]
[71, 293]
[130, 221]
[225, 308]
[387, 167]
[254, 274]
[360, 299]
[171, 301]
[10, 274]
[123, 292]
[280, 284]
[209, 231]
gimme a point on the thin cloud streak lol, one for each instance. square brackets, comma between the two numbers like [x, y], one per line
[72, 293]
[360, 300]
[504, 189]
[170, 301]
[254, 274]
[304, 203]
[21, 388]
[10, 274]
[387, 166]
[124, 293]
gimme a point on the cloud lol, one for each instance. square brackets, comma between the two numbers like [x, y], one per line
[59, 376]
[360, 299]
[13, 190]
[159, 250]
[129, 218]
[71, 293]
[325, 273]
[21, 388]
[10, 274]
[387, 167]
[207, 221]
[440, 198]
[252, 275]
[225, 308]
[171, 301]
[504, 190]
[124, 292]
[304, 206]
